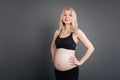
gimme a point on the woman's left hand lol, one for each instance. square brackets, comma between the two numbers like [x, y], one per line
[74, 61]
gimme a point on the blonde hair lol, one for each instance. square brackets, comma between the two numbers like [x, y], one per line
[74, 24]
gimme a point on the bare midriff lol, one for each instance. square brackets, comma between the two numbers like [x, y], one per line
[61, 61]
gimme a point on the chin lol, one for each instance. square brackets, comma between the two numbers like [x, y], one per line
[67, 22]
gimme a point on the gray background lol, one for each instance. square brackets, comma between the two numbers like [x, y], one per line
[26, 32]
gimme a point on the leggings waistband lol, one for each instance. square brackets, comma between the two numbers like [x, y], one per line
[77, 67]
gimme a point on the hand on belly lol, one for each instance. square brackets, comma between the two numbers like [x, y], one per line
[74, 61]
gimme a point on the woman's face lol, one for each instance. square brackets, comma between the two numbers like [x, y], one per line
[67, 17]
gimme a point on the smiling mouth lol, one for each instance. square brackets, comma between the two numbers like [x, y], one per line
[67, 20]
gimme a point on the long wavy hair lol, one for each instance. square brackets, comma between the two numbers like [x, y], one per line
[74, 24]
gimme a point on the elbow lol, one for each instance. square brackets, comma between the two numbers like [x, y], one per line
[92, 48]
[52, 46]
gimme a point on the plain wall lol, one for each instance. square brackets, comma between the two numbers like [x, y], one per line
[26, 32]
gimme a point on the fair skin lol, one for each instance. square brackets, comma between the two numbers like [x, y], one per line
[79, 36]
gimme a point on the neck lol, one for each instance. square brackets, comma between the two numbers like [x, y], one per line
[66, 28]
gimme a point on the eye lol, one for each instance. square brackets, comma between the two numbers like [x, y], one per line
[64, 15]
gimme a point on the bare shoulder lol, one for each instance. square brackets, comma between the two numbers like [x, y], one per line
[56, 32]
[78, 31]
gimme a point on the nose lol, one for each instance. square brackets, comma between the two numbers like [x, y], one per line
[67, 16]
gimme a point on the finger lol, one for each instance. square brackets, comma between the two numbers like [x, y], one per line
[71, 61]
[70, 58]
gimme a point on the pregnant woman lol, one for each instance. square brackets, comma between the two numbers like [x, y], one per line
[63, 46]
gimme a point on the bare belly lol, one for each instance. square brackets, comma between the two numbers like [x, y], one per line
[61, 61]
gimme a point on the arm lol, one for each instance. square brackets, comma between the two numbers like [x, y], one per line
[53, 47]
[83, 38]
[90, 48]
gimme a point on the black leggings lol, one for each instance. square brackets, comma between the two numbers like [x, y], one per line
[71, 74]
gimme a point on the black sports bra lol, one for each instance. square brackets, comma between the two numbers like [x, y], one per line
[67, 42]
